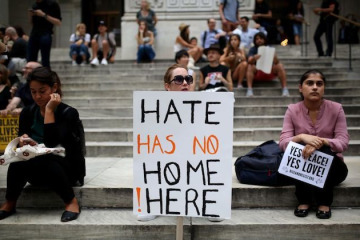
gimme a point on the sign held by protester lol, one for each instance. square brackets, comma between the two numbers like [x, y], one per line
[265, 62]
[183, 153]
[9, 127]
[313, 170]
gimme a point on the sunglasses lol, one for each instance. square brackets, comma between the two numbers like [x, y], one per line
[178, 79]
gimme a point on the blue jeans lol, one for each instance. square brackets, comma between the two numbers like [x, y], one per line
[145, 52]
[42, 43]
[81, 50]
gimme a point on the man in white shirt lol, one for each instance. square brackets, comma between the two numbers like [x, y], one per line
[246, 33]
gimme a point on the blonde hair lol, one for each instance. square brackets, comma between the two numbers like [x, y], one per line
[77, 32]
[169, 71]
[147, 8]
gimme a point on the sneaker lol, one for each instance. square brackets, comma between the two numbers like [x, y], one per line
[249, 92]
[104, 62]
[285, 92]
[82, 64]
[145, 218]
[95, 62]
[216, 219]
[73, 63]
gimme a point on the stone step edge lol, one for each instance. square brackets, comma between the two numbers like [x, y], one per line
[125, 217]
[247, 129]
[236, 143]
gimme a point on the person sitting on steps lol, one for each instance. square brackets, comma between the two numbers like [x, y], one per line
[47, 122]
[253, 73]
[103, 46]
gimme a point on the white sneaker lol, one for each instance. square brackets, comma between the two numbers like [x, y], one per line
[95, 62]
[249, 92]
[145, 218]
[285, 92]
[216, 219]
[82, 64]
[104, 61]
[73, 63]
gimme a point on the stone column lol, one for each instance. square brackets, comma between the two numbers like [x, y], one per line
[170, 14]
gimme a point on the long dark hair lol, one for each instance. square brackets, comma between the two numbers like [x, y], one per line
[184, 35]
[230, 47]
[306, 76]
[46, 76]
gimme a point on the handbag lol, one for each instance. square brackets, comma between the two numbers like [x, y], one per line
[260, 166]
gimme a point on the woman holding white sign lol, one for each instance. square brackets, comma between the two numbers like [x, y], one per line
[319, 124]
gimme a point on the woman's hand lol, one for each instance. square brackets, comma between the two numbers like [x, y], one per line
[307, 151]
[54, 101]
[316, 142]
[79, 42]
[25, 140]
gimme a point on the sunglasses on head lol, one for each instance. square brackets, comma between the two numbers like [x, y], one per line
[178, 79]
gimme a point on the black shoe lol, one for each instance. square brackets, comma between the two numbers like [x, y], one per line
[4, 214]
[68, 216]
[301, 212]
[323, 214]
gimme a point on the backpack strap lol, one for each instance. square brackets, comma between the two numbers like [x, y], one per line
[204, 38]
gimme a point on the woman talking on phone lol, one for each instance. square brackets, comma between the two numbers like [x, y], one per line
[51, 122]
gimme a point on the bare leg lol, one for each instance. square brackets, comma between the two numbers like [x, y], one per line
[8, 205]
[250, 73]
[279, 70]
[240, 72]
[106, 48]
[94, 47]
[73, 206]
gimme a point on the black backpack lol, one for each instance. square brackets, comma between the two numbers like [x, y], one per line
[260, 166]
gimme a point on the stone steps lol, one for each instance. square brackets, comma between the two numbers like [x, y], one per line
[239, 110]
[240, 134]
[239, 121]
[251, 224]
[125, 149]
[103, 96]
[273, 100]
[258, 91]
[109, 184]
[117, 84]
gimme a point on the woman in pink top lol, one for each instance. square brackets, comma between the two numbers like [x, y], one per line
[318, 124]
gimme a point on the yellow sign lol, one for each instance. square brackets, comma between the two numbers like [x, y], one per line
[9, 127]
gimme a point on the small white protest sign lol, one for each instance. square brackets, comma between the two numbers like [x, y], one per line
[313, 170]
[265, 62]
[183, 153]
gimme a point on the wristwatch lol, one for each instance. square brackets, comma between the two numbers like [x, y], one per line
[45, 16]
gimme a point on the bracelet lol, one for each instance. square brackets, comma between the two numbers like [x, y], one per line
[45, 16]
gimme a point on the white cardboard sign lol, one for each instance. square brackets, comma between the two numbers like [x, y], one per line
[182, 152]
[265, 62]
[313, 170]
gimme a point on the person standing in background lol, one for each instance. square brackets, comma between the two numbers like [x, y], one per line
[147, 15]
[43, 15]
[229, 14]
[325, 26]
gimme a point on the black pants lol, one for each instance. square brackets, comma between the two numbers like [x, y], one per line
[323, 196]
[327, 28]
[48, 171]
